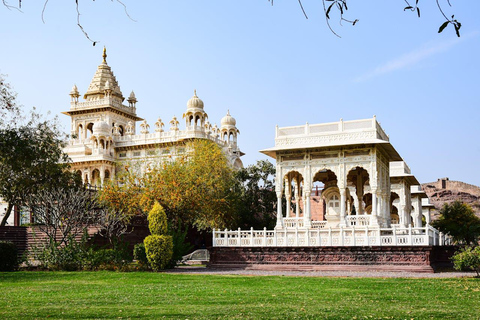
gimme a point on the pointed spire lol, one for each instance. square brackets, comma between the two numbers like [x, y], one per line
[104, 55]
[195, 93]
[98, 85]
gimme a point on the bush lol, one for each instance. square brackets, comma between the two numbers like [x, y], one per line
[78, 256]
[159, 250]
[467, 259]
[9, 256]
[106, 259]
[180, 246]
[139, 254]
[55, 257]
[157, 220]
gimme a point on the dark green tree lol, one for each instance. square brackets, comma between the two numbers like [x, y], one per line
[257, 204]
[31, 160]
[460, 222]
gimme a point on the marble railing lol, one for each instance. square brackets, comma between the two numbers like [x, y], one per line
[349, 236]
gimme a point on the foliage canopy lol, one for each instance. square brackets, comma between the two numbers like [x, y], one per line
[460, 222]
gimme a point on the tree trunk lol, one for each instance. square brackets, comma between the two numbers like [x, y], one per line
[7, 215]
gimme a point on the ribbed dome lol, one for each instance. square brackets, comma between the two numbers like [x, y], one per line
[101, 128]
[228, 120]
[195, 102]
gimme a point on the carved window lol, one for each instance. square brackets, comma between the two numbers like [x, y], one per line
[334, 202]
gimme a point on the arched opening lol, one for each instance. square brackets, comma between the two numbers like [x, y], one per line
[95, 181]
[225, 136]
[89, 132]
[190, 120]
[394, 206]
[293, 194]
[324, 185]
[367, 200]
[357, 180]
[230, 137]
[80, 132]
[197, 120]
[121, 130]
[107, 175]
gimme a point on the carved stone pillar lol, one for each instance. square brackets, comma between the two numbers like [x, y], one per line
[279, 211]
[297, 198]
[307, 217]
[374, 216]
[343, 199]
[288, 195]
[359, 195]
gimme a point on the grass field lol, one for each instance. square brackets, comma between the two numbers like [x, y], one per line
[157, 295]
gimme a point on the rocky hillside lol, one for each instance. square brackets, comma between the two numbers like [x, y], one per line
[447, 191]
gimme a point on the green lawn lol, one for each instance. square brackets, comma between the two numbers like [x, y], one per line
[156, 295]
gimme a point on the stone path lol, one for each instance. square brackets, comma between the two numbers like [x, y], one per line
[368, 274]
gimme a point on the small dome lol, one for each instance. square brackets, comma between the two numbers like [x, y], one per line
[195, 102]
[132, 95]
[228, 120]
[101, 128]
[74, 90]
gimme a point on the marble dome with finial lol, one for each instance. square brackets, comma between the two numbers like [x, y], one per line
[228, 120]
[195, 102]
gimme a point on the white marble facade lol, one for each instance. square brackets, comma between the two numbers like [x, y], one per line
[104, 132]
[365, 182]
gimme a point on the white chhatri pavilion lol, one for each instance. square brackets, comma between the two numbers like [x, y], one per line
[370, 197]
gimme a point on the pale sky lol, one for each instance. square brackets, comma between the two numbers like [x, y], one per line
[268, 66]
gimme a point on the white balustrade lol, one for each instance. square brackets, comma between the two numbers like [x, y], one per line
[325, 236]
[361, 221]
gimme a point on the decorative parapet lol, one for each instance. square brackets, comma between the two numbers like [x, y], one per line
[328, 133]
[108, 101]
[399, 168]
[164, 137]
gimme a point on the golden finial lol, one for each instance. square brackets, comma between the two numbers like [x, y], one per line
[104, 55]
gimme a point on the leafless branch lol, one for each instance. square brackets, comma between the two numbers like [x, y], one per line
[301, 6]
[327, 19]
[126, 12]
[9, 7]
[81, 27]
[43, 10]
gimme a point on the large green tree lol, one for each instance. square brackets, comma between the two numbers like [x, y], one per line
[460, 222]
[258, 201]
[196, 189]
[31, 159]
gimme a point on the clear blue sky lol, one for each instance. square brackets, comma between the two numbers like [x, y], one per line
[268, 65]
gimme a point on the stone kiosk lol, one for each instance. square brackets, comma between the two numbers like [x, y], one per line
[374, 213]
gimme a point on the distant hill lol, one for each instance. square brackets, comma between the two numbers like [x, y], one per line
[447, 191]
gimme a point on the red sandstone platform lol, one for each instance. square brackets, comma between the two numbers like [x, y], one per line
[413, 259]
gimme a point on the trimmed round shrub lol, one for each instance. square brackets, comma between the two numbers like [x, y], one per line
[157, 220]
[9, 256]
[159, 250]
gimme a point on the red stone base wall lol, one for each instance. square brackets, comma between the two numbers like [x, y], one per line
[420, 259]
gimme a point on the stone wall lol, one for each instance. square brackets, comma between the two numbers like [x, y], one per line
[419, 259]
